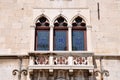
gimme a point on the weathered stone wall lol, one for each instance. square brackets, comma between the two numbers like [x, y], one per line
[8, 65]
[16, 33]
[16, 17]
[111, 64]
[105, 31]
[14, 27]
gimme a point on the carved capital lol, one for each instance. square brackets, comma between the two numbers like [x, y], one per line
[15, 71]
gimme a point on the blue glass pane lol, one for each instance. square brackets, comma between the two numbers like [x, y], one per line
[60, 40]
[43, 40]
[77, 40]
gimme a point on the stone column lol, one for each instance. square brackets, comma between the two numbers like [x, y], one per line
[31, 60]
[29, 74]
[51, 60]
[70, 60]
[51, 39]
[32, 39]
[69, 38]
[51, 63]
[89, 41]
[90, 60]
[91, 76]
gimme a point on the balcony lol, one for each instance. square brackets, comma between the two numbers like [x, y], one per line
[61, 60]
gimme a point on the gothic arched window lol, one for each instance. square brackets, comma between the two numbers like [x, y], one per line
[60, 34]
[78, 34]
[42, 34]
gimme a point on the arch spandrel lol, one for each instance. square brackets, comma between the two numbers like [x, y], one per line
[60, 15]
[79, 15]
[42, 15]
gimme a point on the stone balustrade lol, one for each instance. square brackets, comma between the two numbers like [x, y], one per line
[61, 61]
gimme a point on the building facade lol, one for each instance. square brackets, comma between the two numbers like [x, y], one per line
[59, 40]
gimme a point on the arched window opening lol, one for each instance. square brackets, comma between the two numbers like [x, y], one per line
[42, 34]
[60, 21]
[78, 21]
[60, 34]
[42, 21]
[78, 34]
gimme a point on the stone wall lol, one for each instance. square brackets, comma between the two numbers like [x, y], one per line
[17, 35]
[105, 31]
[8, 65]
[111, 64]
[17, 16]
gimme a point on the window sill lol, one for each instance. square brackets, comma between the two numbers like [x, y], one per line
[81, 53]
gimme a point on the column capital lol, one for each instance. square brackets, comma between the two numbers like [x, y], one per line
[89, 26]
[70, 27]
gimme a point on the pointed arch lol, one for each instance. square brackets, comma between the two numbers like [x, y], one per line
[78, 21]
[60, 15]
[78, 15]
[60, 20]
[60, 33]
[78, 33]
[42, 31]
[42, 21]
[42, 15]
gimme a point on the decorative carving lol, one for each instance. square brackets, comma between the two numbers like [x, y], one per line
[79, 21]
[60, 60]
[102, 73]
[20, 71]
[60, 21]
[24, 71]
[80, 60]
[42, 59]
[15, 71]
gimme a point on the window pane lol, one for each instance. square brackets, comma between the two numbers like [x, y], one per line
[43, 40]
[60, 40]
[77, 40]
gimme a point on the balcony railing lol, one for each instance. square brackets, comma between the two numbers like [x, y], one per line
[61, 60]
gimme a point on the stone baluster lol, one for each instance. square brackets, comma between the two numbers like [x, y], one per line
[70, 60]
[51, 60]
[31, 62]
[89, 60]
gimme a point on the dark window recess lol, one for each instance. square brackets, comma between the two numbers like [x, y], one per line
[60, 38]
[79, 34]
[43, 40]
[77, 40]
[60, 33]
[42, 34]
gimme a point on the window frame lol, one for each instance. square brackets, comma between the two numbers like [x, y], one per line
[60, 28]
[43, 28]
[80, 28]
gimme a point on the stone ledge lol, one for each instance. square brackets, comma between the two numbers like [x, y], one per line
[100, 55]
[81, 53]
[60, 67]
